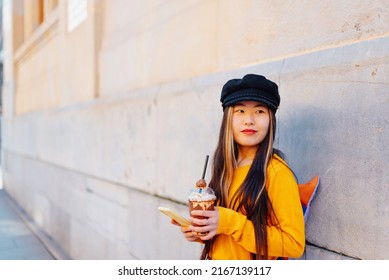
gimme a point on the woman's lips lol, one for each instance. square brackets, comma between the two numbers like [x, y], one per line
[248, 131]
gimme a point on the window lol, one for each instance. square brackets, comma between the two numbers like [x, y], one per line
[29, 15]
[77, 12]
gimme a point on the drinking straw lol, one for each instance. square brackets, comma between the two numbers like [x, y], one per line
[205, 166]
[205, 169]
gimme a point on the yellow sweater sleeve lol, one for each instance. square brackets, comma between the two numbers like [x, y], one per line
[288, 238]
[237, 226]
[285, 240]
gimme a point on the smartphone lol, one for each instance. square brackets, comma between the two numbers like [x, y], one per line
[175, 216]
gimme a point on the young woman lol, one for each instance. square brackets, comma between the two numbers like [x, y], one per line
[258, 213]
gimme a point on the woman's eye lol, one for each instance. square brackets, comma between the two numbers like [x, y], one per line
[239, 111]
[260, 111]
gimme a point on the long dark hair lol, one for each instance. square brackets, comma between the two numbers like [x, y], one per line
[251, 198]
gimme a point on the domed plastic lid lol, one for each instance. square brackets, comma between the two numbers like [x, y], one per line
[201, 194]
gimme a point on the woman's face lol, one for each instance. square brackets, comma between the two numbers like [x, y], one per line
[250, 123]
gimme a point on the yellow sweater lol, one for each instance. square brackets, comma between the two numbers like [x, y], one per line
[235, 237]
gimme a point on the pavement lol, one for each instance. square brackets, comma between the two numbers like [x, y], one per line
[17, 239]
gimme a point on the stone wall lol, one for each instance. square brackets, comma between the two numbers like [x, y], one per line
[126, 107]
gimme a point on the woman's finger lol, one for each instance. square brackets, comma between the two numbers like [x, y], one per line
[207, 225]
[199, 222]
[203, 213]
[174, 222]
[209, 235]
[188, 234]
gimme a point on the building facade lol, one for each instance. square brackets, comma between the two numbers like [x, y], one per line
[109, 108]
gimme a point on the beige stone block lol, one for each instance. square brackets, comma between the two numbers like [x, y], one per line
[181, 143]
[111, 192]
[71, 193]
[152, 236]
[157, 47]
[76, 67]
[267, 31]
[58, 228]
[37, 72]
[150, 50]
[85, 243]
[171, 242]
[106, 217]
[323, 132]
[126, 224]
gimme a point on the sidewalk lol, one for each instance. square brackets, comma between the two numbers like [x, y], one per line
[17, 241]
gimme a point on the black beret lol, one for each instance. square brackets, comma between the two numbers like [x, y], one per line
[251, 87]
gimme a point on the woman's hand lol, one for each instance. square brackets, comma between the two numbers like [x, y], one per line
[208, 224]
[187, 232]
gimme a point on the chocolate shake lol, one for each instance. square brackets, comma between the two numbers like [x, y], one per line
[201, 198]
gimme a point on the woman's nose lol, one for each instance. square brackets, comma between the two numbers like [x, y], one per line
[249, 120]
